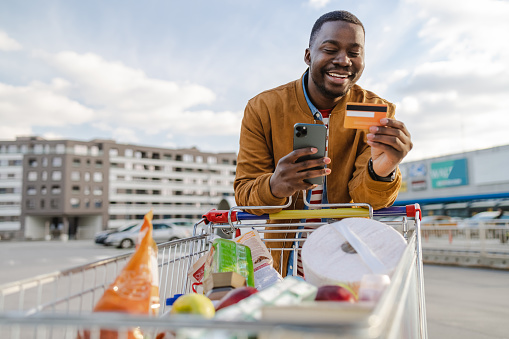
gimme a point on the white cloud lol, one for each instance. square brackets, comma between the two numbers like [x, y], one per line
[22, 107]
[318, 3]
[452, 95]
[7, 43]
[121, 101]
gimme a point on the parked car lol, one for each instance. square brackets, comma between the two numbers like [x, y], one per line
[439, 220]
[488, 218]
[163, 230]
[100, 237]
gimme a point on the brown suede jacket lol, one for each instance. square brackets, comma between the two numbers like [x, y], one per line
[267, 136]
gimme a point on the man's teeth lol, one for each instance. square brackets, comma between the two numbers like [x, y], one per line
[338, 75]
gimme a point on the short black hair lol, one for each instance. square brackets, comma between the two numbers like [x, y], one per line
[333, 16]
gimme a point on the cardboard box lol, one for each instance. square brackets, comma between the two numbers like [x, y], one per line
[223, 280]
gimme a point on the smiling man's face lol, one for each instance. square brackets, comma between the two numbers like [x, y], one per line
[336, 62]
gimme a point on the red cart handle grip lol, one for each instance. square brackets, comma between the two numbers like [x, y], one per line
[411, 211]
[219, 216]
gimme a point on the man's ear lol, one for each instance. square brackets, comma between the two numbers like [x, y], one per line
[307, 56]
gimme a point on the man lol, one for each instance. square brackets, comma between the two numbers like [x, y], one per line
[362, 166]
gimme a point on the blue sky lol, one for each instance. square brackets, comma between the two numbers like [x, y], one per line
[179, 73]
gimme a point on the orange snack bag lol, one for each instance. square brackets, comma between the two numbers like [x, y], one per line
[136, 289]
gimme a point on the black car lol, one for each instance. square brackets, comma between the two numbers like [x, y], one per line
[100, 237]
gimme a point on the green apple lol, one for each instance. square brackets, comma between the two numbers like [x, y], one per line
[194, 303]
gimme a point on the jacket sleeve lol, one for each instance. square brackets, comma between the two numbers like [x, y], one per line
[363, 188]
[255, 163]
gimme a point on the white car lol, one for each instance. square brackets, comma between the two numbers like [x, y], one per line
[163, 230]
[487, 218]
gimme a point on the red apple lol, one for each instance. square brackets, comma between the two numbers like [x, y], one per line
[235, 295]
[334, 293]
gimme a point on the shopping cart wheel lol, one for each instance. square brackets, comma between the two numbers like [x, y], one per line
[126, 243]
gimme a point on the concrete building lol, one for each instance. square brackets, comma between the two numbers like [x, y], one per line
[50, 188]
[458, 184]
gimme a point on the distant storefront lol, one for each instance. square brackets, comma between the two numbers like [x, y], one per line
[458, 184]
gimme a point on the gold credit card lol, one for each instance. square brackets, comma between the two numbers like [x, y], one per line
[363, 115]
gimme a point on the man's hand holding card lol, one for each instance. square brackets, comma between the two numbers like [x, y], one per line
[389, 139]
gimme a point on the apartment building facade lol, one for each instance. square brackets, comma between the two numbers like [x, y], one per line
[71, 188]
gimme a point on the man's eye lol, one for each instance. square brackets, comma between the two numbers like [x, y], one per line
[354, 54]
[330, 51]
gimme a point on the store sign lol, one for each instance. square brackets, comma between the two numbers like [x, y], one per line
[449, 173]
[419, 185]
[418, 170]
[403, 187]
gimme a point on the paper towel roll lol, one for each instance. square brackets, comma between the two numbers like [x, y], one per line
[328, 258]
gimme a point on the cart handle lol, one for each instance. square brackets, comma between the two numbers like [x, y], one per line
[221, 216]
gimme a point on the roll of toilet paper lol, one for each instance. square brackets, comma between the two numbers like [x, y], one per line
[343, 252]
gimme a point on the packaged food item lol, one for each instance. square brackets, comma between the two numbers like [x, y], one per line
[136, 288]
[290, 291]
[264, 274]
[229, 256]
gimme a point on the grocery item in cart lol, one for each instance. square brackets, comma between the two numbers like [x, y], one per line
[345, 251]
[136, 289]
[264, 274]
[229, 256]
[291, 291]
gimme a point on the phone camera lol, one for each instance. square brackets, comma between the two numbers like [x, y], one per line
[301, 131]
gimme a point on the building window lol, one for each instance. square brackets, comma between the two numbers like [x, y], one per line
[44, 175]
[31, 190]
[98, 164]
[188, 158]
[98, 203]
[43, 203]
[44, 190]
[38, 149]
[55, 203]
[212, 160]
[56, 175]
[75, 202]
[75, 176]
[32, 162]
[128, 153]
[113, 152]
[44, 162]
[60, 149]
[98, 191]
[32, 176]
[55, 189]
[75, 189]
[87, 203]
[80, 149]
[94, 150]
[76, 162]
[86, 190]
[199, 159]
[56, 162]
[12, 149]
[98, 177]
[30, 204]
[86, 176]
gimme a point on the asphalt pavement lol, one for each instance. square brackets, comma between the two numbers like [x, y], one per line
[466, 303]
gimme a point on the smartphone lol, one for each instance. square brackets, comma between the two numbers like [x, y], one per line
[310, 135]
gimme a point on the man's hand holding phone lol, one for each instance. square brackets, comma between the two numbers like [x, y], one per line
[289, 175]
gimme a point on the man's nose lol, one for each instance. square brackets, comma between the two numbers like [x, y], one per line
[342, 59]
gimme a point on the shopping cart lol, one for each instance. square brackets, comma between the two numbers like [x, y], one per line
[58, 305]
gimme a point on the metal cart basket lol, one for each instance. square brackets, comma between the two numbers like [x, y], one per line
[58, 305]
